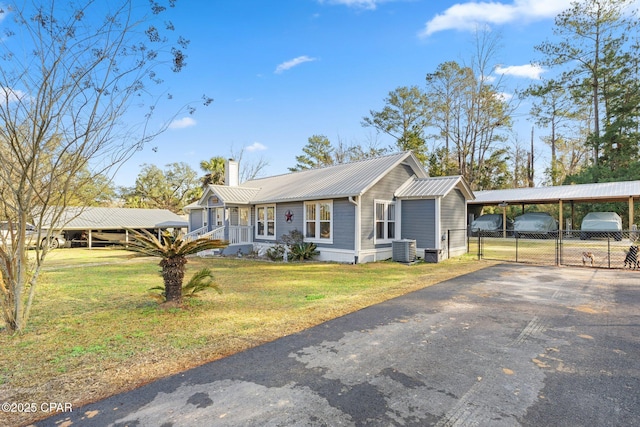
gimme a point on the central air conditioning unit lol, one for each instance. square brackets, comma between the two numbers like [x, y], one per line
[404, 250]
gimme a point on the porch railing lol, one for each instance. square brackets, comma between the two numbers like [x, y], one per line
[196, 234]
[240, 234]
[215, 234]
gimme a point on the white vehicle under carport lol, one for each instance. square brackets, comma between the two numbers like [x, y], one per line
[535, 225]
[601, 224]
[490, 225]
[55, 241]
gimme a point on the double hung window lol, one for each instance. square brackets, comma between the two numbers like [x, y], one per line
[266, 221]
[318, 221]
[385, 221]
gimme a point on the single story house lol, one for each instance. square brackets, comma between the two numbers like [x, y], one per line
[353, 212]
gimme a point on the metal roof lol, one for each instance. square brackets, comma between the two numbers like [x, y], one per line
[235, 195]
[344, 180]
[433, 187]
[98, 218]
[603, 192]
[349, 179]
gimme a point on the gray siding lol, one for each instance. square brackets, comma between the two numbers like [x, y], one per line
[453, 211]
[419, 222]
[195, 219]
[344, 213]
[343, 222]
[282, 226]
[382, 190]
[454, 221]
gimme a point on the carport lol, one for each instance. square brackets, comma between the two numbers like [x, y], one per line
[83, 225]
[625, 191]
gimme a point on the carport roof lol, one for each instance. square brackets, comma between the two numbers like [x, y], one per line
[597, 192]
[98, 218]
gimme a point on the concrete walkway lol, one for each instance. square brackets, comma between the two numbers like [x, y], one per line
[506, 346]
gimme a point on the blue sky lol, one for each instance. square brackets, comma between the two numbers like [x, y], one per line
[282, 71]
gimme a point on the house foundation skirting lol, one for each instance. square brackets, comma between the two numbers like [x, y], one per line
[349, 256]
[373, 255]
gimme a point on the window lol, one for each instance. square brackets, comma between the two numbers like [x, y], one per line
[385, 220]
[266, 221]
[243, 217]
[318, 221]
[239, 216]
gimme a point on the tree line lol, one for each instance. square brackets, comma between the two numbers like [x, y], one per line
[460, 122]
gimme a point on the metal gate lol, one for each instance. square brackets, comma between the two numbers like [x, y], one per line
[603, 250]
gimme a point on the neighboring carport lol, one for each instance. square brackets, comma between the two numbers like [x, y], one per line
[625, 191]
[88, 221]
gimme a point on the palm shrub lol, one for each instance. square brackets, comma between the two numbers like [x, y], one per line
[303, 250]
[298, 249]
[202, 279]
[172, 248]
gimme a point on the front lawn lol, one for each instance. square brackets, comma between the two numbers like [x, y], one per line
[95, 331]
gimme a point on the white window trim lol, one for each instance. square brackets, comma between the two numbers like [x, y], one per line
[317, 221]
[275, 217]
[386, 204]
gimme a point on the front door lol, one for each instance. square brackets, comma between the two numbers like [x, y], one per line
[216, 217]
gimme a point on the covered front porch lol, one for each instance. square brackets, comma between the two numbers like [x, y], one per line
[234, 234]
[230, 223]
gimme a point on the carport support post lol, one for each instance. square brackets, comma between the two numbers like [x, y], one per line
[504, 222]
[630, 212]
[560, 219]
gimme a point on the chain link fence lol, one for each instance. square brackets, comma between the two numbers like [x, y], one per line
[617, 249]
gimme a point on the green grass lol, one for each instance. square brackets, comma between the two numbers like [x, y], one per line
[95, 330]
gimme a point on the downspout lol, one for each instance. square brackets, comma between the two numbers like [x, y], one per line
[438, 224]
[357, 242]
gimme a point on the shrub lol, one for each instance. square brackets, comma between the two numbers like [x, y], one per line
[303, 251]
[275, 253]
[293, 237]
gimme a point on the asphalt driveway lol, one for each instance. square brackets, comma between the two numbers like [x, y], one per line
[506, 346]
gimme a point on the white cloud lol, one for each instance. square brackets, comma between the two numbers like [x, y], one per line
[182, 123]
[293, 63]
[11, 95]
[256, 146]
[527, 71]
[467, 16]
